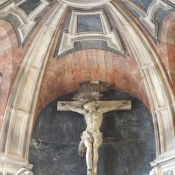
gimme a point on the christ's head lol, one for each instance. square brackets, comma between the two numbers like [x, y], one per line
[90, 106]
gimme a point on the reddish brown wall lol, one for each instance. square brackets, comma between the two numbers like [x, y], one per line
[9, 54]
[167, 46]
[64, 75]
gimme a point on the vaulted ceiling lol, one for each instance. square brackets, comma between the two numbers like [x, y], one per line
[116, 66]
[49, 47]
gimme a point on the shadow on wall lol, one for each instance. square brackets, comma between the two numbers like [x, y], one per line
[128, 140]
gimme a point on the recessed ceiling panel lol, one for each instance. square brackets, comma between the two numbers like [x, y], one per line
[85, 23]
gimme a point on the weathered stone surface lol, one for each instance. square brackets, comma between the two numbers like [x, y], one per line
[85, 23]
[143, 4]
[128, 144]
[15, 22]
[30, 5]
[159, 15]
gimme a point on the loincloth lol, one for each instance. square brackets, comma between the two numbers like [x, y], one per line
[92, 137]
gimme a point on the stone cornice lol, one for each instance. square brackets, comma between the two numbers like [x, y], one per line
[85, 3]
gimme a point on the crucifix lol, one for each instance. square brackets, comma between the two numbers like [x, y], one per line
[92, 109]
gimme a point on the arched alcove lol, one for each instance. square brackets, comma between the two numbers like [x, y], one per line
[128, 140]
[65, 75]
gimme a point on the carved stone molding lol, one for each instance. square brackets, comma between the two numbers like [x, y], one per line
[172, 1]
[147, 18]
[17, 124]
[158, 87]
[3, 3]
[27, 22]
[72, 36]
[149, 21]
[85, 3]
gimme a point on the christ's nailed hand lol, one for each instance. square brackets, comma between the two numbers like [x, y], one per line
[63, 104]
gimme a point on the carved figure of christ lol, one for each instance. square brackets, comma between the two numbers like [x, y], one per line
[91, 138]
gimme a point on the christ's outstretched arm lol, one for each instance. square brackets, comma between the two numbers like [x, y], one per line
[111, 108]
[73, 108]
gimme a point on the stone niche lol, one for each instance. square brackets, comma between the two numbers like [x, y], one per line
[128, 140]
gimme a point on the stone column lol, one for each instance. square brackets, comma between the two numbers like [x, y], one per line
[17, 124]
